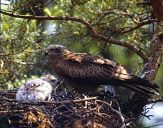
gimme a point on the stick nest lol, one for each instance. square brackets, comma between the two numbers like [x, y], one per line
[65, 110]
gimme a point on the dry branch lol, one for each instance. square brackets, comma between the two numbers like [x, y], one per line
[93, 32]
[158, 9]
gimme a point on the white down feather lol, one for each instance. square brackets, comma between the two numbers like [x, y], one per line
[35, 90]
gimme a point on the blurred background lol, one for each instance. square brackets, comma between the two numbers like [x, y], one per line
[23, 40]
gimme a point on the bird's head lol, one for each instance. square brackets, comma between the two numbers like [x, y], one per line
[55, 50]
[50, 79]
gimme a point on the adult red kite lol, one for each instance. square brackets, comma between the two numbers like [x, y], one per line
[86, 72]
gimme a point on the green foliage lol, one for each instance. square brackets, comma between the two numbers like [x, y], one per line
[20, 49]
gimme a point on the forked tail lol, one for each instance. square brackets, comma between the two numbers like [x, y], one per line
[142, 86]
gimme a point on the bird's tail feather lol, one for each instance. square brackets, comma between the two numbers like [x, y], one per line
[142, 86]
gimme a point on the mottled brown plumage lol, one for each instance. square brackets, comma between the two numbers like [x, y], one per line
[86, 72]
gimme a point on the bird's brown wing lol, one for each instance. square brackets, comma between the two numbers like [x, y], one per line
[87, 58]
[85, 68]
[84, 65]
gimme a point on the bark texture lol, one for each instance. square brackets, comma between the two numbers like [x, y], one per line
[157, 6]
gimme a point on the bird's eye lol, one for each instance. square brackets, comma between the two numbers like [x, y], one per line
[52, 49]
[57, 50]
[53, 81]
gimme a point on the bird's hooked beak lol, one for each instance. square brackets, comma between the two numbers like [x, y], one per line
[46, 52]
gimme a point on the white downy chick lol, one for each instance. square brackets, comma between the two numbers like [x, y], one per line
[36, 90]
